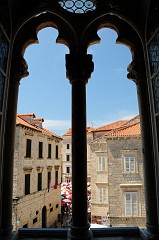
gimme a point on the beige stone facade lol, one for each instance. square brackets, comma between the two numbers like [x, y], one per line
[37, 174]
[67, 155]
[117, 190]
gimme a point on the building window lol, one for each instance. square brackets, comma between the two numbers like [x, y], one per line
[101, 163]
[25, 226]
[102, 195]
[35, 220]
[49, 181]
[67, 157]
[68, 170]
[39, 181]
[56, 177]
[57, 152]
[27, 184]
[49, 150]
[28, 148]
[131, 204]
[68, 146]
[51, 209]
[129, 164]
[40, 149]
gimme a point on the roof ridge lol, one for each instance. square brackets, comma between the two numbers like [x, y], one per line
[111, 123]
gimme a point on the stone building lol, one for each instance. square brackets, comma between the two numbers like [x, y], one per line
[37, 174]
[67, 155]
[117, 195]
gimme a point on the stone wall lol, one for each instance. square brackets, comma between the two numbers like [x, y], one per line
[116, 181]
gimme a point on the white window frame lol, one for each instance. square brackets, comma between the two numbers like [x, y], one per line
[129, 163]
[131, 201]
[102, 194]
[101, 163]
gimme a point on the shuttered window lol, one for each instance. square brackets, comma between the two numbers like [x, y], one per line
[102, 195]
[101, 163]
[131, 203]
[129, 164]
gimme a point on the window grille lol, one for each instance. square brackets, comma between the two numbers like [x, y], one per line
[78, 6]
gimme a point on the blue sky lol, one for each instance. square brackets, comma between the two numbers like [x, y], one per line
[47, 93]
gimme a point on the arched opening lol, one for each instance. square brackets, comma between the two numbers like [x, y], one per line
[113, 98]
[42, 103]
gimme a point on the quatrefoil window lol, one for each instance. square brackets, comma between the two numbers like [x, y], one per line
[78, 6]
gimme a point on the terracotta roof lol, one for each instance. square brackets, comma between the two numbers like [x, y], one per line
[132, 130]
[133, 120]
[26, 114]
[50, 133]
[111, 126]
[21, 121]
[69, 132]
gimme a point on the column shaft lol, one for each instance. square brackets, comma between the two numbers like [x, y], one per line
[79, 68]
[79, 155]
[148, 159]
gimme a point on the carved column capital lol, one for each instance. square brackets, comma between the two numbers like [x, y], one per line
[19, 67]
[136, 72]
[79, 67]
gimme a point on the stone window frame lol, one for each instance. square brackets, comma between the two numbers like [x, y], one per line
[129, 153]
[131, 188]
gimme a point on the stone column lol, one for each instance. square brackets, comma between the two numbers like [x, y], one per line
[79, 69]
[18, 71]
[148, 150]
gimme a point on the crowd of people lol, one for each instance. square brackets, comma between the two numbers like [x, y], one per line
[65, 217]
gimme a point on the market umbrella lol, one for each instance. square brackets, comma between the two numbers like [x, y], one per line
[65, 201]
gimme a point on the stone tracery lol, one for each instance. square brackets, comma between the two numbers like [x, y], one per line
[78, 6]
